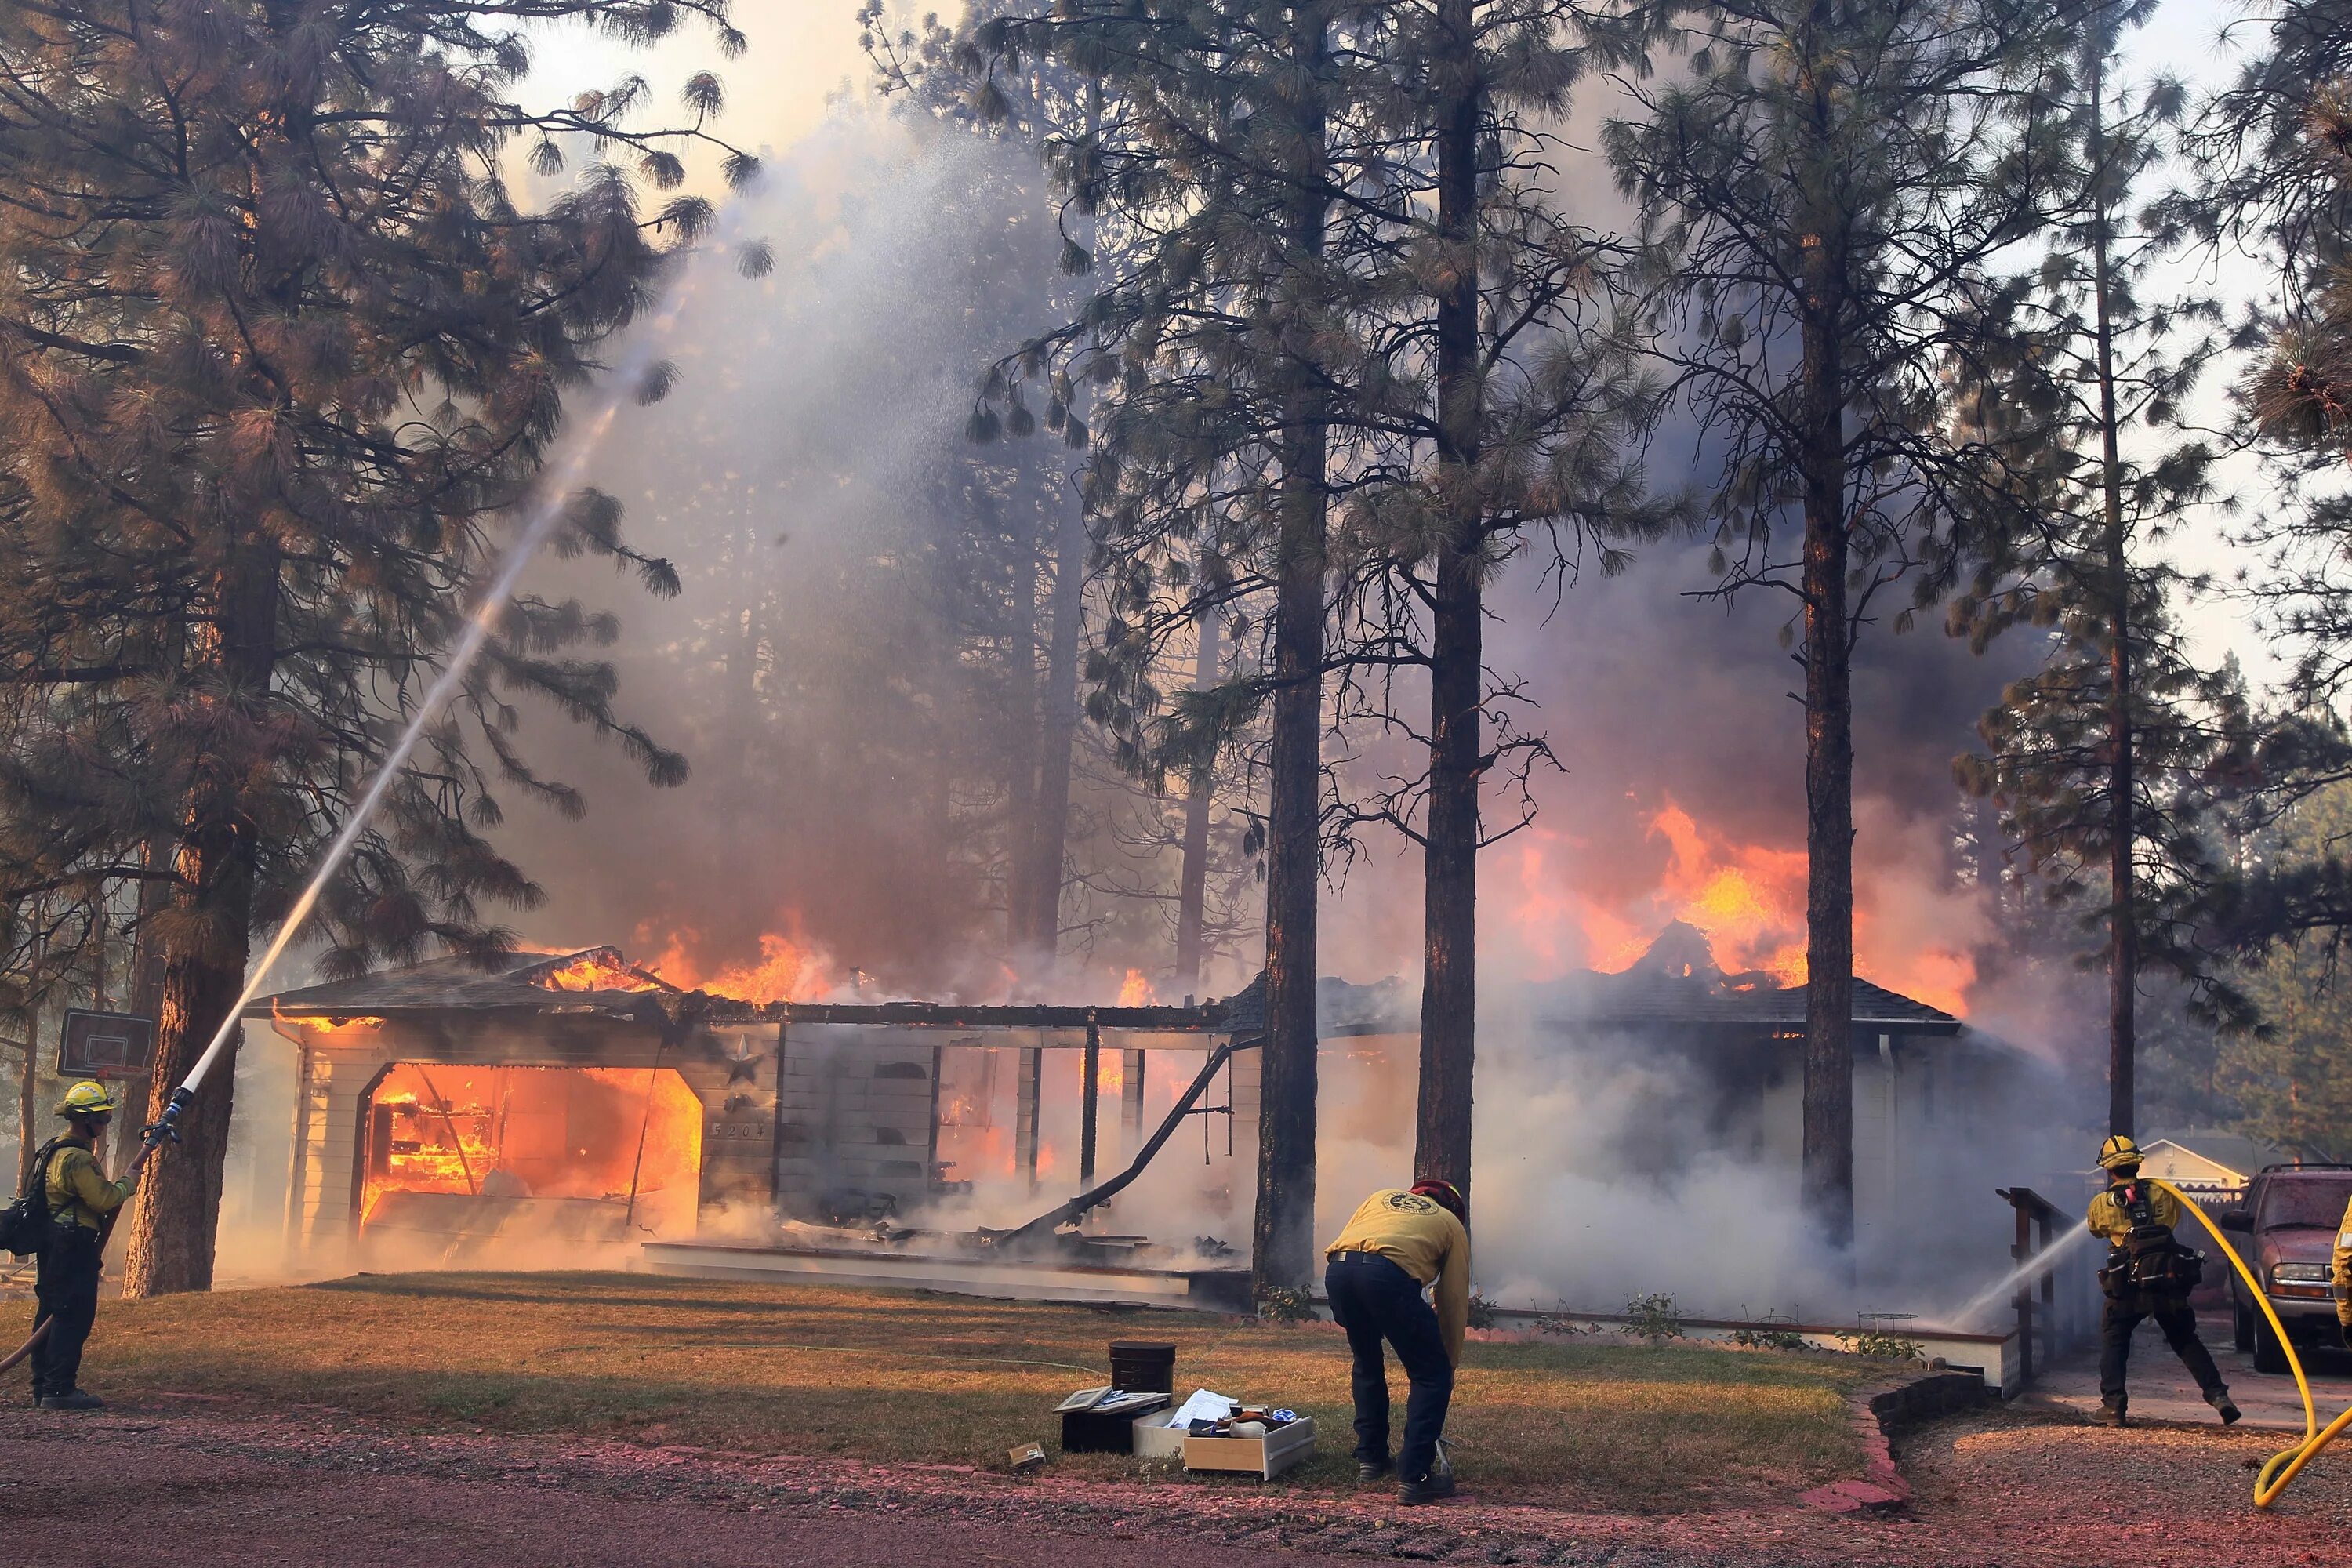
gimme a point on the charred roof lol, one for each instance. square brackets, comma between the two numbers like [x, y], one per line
[601, 979]
[1678, 982]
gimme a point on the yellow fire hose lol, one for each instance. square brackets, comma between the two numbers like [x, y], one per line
[2288, 1462]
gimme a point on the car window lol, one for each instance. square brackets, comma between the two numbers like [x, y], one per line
[2305, 1201]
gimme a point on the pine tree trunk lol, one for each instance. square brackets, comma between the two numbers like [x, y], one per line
[1042, 931]
[1193, 887]
[173, 1224]
[28, 1091]
[1283, 1240]
[2123, 918]
[1827, 1181]
[1449, 993]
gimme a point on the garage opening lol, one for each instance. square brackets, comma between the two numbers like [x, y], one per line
[458, 1156]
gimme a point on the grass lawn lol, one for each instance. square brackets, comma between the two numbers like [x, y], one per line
[914, 1377]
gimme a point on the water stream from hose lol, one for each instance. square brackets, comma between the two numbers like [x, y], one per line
[2002, 1291]
[555, 494]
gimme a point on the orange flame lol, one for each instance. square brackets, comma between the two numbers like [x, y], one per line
[619, 1134]
[601, 969]
[1136, 991]
[789, 968]
[1749, 899]
[339, 1026]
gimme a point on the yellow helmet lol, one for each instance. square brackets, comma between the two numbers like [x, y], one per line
[88, 1098]
[2118, 1152]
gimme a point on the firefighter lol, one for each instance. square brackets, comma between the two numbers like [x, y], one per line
[2149, 1274]
[1398, 1244]
[82, 1202]
[2342, 1260]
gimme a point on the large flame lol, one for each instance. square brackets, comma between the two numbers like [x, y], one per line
[1748, 898]
[790, 968]
[630, 1136]
[1136, 991]
[600, 969]
[1575, 902]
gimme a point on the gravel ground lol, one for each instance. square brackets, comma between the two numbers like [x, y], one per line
[212, 1482]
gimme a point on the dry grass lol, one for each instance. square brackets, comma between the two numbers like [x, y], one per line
[912, 1376]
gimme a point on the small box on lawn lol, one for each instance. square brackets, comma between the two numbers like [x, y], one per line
[1267, 1457]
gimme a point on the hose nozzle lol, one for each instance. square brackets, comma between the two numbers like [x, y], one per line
[166, 1127]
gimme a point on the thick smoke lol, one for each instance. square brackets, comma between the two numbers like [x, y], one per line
[808, 476]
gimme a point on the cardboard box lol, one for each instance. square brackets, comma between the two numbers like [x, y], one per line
[1267, 1456]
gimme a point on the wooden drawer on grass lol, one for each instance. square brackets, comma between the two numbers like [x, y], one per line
[1267, 1456]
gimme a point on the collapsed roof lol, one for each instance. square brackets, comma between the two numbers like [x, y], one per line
[1678, 982]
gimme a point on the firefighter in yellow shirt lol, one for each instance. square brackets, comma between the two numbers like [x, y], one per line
[2149, 1274]
[2342, 1260]
[1398, 1243]
[81, 1200]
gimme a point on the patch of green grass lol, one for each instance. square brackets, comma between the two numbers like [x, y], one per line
[911, 1376]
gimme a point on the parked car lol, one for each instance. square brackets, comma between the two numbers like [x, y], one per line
[2285, 1233]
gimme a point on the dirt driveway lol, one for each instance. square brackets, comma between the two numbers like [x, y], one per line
[189, 1483]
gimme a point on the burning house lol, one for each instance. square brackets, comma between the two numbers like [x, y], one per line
[449, 1112]
[1724, 1055]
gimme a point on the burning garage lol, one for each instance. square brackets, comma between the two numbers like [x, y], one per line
[454, 1113]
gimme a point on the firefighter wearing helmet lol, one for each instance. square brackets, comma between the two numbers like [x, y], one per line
[2149, 1274]
[82, 1203]
[1398, 1243]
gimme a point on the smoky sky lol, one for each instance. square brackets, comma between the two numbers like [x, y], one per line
[804, 440]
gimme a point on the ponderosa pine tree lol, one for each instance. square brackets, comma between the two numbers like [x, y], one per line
[278, 351]
[1218, 351]
[2275, 151]
[1831, 186]
[2099, 759]
[1512, 405]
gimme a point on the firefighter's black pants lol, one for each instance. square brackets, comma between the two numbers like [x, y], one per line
[2173, 1314]
[66, 1289]
[1375, 1301]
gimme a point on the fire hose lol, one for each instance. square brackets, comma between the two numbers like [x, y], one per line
[2283, 1467]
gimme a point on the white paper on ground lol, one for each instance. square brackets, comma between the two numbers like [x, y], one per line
[1203, 1405]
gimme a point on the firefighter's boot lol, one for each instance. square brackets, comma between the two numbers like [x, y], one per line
[2218, 1398]
[74, 1400]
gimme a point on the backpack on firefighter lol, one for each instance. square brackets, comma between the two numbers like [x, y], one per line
[26, 1225]
[2149, 1260]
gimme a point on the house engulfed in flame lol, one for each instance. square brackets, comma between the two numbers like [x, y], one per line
[445, 1111]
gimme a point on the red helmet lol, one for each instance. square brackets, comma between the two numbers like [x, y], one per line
[1447, 1197]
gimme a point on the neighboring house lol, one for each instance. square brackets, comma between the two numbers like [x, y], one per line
[2203, 1160]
